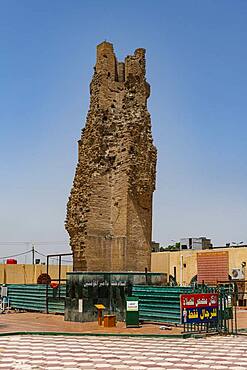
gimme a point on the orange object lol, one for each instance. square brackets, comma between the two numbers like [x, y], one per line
[99, 317]
[109, 321]
[100, 308]
[53, 285]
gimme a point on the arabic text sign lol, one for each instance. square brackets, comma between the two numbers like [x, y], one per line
[132, 305]
[199, 308]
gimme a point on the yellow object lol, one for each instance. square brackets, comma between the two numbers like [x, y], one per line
[99, 306]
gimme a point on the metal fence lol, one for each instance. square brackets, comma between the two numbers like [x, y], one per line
[226, 322]
[33, 297]
[160, 303]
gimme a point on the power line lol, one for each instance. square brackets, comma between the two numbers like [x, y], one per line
[53, 242]
[15, 243]
[16, 255]
[41, 254]
[31, 251]
[54, 258]
[35, 242]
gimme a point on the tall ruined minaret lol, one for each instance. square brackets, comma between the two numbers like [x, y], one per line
[109, 212]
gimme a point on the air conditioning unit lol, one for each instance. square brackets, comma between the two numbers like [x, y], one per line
[237, 274]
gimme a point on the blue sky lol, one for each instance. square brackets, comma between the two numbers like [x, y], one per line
[196, 65]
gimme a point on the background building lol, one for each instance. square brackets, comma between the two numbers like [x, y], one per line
[155, 246]
[195, 243]
[210, 266]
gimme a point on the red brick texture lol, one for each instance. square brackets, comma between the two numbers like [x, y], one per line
[212, 267]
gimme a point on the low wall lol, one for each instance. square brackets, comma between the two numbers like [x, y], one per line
[28, 274]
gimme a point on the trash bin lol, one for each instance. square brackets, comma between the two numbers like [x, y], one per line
[132, 312]
[109, 321]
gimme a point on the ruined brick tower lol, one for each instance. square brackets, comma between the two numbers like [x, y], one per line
[109, 212]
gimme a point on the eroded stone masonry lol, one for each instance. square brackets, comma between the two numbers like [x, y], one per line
[109, 212]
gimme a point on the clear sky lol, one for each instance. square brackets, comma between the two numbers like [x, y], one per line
[196, 65]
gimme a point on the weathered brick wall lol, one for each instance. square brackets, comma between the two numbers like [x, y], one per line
[109, 212]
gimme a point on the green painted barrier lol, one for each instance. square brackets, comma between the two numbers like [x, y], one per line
[132, 312]
[156, 303]
[33, 297]
[159, 303]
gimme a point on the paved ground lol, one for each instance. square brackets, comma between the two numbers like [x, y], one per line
[37, 322]
[63, 352]
[41, 322]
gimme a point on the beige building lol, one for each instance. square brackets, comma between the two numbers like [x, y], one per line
[184, 266]
[28, 274]
[211, 265]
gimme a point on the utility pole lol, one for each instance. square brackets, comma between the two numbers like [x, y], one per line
[33, 253]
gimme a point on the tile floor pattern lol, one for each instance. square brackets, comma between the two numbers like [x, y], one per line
[111, 353]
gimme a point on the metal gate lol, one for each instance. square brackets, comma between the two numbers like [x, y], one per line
[210, 309]
[58, 295]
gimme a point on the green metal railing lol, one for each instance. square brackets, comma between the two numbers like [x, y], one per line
[33, 297]
[160, 303]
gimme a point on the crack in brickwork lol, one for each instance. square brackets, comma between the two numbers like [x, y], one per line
[109, 212]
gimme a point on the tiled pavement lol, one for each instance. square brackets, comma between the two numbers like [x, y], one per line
[71, 352]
